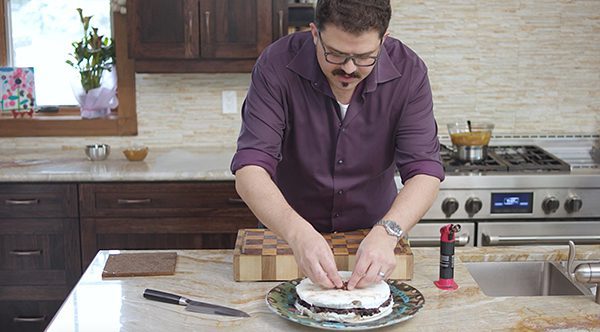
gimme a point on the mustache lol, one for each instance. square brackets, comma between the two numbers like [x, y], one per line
[339, 72]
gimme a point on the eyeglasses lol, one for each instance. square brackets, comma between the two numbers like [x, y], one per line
[341, 59]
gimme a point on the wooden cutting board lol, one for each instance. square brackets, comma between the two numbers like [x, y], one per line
[260, 255]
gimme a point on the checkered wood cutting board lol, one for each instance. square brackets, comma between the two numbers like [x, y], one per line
[260, 255]
[265, 242]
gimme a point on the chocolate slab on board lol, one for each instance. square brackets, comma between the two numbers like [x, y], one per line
[140, 264]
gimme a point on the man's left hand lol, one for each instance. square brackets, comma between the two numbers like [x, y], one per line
[375, 254]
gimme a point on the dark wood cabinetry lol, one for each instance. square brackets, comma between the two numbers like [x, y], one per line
[202, 35]
[163, 29]
[39, 252]
[160, 215]
[237, 29]
[48, 232]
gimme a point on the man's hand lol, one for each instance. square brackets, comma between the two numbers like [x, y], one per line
[375, 254]
[315, 259]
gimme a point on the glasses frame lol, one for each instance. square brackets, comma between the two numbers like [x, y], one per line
[348, 57]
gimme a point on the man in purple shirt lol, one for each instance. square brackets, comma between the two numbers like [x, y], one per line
[329, 116]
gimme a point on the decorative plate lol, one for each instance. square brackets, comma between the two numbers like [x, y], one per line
[407, 301]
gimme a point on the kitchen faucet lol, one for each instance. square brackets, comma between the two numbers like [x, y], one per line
[585, 272]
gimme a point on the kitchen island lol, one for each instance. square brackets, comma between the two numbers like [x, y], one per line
[116, 304]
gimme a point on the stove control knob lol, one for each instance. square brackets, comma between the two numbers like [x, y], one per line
[449, 206]
[473, 205]
[550, 204]
[573, 204]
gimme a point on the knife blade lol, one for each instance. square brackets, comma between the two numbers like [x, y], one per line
[192, 305]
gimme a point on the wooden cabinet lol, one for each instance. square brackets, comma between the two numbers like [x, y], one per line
[39, 252]
[49, 231]
[300, 15]
[202, 35]
[160, 215]
[236, 29]
[163, 29]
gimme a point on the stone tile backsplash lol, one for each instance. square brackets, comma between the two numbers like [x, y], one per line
[530, 67]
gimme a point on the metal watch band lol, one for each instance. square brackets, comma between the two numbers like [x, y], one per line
[391, 227]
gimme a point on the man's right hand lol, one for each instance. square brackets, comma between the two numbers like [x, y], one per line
[315, 259]
[313, 255]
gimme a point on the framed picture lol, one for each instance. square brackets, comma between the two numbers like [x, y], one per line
[17, 91]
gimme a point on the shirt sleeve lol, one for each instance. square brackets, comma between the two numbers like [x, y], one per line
[417, 144]
[263, 122]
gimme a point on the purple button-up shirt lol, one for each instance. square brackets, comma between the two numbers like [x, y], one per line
[338, 174]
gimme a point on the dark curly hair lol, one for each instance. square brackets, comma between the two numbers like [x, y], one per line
[354, 16]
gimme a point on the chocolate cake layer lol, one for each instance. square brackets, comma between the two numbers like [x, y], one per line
[357, 311]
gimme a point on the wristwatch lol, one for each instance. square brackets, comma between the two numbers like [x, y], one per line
[391, 227]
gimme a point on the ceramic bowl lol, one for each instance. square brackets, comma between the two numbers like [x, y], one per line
[96, 152]
[136, 154]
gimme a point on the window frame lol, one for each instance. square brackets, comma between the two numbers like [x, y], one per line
[68, 122]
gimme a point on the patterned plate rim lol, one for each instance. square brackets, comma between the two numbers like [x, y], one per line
[407, 302]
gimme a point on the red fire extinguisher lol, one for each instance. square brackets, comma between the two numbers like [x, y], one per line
[447, 239]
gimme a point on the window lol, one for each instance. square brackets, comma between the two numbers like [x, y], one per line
[36, 40]
[39, 33]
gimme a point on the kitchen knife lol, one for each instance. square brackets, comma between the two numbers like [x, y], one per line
[191, 305]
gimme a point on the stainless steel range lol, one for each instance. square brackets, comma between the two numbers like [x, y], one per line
[521, 194]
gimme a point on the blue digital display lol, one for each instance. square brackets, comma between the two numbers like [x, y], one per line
[512, 203]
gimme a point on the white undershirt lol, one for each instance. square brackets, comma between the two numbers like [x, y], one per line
[343, 109]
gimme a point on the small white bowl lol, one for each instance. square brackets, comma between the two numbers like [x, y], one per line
[96, 152]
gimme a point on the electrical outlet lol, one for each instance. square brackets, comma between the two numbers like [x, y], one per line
[229, 102]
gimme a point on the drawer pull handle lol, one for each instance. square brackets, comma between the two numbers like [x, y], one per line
[497, 240]
[207, 23]
[22, 201]
[280, 15]
[134, 201]
[26, 252]
[237, 201]
[29, 319]
[434, 241]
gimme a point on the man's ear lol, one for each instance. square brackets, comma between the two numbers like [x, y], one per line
[387, 33]
[314, 31]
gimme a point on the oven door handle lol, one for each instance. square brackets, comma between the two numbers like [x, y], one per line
[430, 241]
[497, 240]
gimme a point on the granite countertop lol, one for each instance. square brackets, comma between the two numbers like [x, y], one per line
[206, 275]
[72, 165]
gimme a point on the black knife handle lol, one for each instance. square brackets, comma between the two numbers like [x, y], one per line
[152, 294]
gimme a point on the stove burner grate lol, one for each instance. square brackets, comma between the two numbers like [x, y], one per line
[530, 158]
[519, 158]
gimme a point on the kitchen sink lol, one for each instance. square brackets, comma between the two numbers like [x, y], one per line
[534, 278]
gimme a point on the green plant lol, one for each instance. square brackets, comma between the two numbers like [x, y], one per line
[91, 55]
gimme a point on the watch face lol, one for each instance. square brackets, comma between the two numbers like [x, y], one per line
[394, 228]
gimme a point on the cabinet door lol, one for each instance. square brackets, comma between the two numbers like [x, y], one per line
[161, 215]
[38, 200]
[163, 29]
[235, 29]
[40, 252]
[162, 199]
[24, 316]
[218, 232]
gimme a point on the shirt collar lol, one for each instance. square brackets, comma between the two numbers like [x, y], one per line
[385, 70]
[306, 65]
[305, 62]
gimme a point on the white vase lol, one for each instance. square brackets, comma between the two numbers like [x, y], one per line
[98, 102]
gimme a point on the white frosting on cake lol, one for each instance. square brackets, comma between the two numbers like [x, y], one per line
[368, 297]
